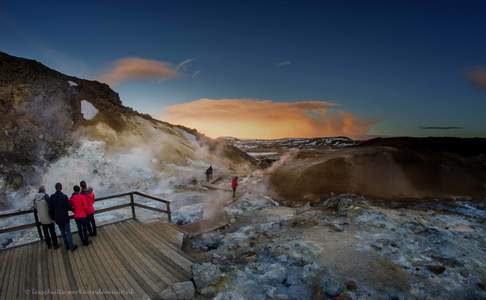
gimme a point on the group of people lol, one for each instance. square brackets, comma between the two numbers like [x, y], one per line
[55, 209]
[234, 180]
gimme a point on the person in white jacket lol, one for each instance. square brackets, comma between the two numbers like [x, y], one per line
[41, 204]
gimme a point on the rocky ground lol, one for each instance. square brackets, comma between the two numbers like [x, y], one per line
[345, 247]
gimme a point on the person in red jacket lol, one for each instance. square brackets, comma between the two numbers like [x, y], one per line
[90, 199]
[234, 185]
[79, 207]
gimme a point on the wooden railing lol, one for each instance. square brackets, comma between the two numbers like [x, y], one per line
[131, 203]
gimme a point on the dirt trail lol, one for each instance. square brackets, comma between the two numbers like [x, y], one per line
[214, 216]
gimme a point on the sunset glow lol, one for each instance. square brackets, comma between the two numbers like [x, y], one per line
[265, 119]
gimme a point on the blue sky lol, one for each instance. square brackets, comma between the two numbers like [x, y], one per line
[403, 63]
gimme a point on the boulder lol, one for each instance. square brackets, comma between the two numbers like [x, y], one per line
[278, 292]
[229, 295]
[184, 290]
[310, 273]
[247, 205]
[208, 291]
[437, 269]
[373, 218]
[351, 285]
[300, 292]
[294, 276]
[188, 214]
[343, 203]
[276, 274]
[168, 294]
[207, 241]
[331, 287]
[205, 274]
[336, 227]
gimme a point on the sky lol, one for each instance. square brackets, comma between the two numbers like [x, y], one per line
[270, 69]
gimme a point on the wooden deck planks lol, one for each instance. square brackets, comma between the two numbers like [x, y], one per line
[165, 270]
[171, 233]
[142, 262]
[172, 258]
[129, 288]
[138, 259]
[177, 256]
[6, 259]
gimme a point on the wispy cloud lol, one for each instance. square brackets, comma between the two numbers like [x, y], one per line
[184, 64]
[252, 118]
[196, 73]
[135, 68]
[440, 127]
[283, 63]
[477, 76]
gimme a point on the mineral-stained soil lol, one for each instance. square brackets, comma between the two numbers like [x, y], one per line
[345, 247]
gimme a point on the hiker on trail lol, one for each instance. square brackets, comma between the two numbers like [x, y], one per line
[59, 206]
[234, 185]
[209, 173]
[90, 199]
[79, 205]
[41, 204]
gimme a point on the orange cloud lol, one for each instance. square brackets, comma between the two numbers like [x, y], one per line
[134, 68]
[249, 118]
[478, 77]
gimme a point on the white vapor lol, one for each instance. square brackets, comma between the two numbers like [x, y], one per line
[283, 63]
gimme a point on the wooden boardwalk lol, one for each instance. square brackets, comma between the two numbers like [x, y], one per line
[127, 260]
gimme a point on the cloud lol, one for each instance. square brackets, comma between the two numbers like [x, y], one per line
[196, 73]
[134, 68]
[283, 63]
[440, 127]
[251, 118]
[477, 76]
[184, 64]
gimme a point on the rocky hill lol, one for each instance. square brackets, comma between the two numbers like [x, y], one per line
[56, 127]
[392, 168]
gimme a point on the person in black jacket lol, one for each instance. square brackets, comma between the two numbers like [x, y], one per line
[209, 173]
[59, 207]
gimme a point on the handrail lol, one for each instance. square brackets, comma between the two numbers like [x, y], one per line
[17, 212]
[151, 197]
[114, 196]
[131, 204]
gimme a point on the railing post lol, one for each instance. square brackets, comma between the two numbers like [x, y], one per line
[132, 203]
[168, 212]
[37, 224]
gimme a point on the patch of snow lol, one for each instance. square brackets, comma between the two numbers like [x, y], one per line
[253, 154]
[72, 83]
[88, 110]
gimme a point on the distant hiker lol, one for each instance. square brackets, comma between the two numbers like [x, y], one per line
[209, 173]
[41, 204]
[89, 197]
[234, 185]
[59, 206]
[79, 205]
